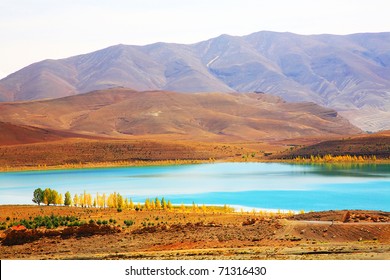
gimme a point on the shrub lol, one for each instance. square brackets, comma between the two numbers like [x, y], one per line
[128, 223]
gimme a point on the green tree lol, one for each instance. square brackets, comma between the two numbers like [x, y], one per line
[38, 196]
[68, 199]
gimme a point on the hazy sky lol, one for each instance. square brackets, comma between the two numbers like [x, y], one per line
[33, 30]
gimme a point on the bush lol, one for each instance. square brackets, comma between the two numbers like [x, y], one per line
[49, 222]
[128, 223]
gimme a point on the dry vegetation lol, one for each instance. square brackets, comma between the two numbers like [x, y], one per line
[76, 153]
[371, 147]
[211, 234]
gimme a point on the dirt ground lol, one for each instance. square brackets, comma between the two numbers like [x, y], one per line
[209, 235]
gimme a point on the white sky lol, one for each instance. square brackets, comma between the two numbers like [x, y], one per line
[33, 30]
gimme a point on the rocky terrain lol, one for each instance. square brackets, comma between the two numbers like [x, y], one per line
[201, 116]
[202, 235]
[347, 73]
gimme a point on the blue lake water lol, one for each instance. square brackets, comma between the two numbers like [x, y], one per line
[251, 185]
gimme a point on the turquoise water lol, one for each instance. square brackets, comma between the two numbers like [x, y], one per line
[253, 185]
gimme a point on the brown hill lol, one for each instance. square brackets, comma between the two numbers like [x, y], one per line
[204, 116]
[348, 73]
[11, 134]
[364, 145]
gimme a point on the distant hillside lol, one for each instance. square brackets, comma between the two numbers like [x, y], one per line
[365, 145]
[201, 116]
[11, 134]
[347, 73]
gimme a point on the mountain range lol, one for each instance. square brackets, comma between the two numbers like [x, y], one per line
[348, 73]
[125, 114]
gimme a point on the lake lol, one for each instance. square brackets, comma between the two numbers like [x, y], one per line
[248, 185]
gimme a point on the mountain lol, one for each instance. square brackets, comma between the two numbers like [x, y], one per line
[349, 73]
[124, 113]
[376, 144]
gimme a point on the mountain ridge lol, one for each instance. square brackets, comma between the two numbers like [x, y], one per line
[124, 113]
[348, 73]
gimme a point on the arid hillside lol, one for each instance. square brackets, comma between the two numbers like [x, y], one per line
[124, 113]
[348, 73]
[377, 145]
[11, 134]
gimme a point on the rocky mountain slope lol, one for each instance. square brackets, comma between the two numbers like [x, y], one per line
[350, 73]
[201, 116]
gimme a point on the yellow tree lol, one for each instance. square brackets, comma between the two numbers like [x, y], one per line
[163, 203]
[147, 204]
[81, 200]
[157, 203]
[76, 200]
[59, 199]
[126, 204]
[194, 207]
[104, 200]
[49, 196]
[88, 199]
[119, 201]
[112, 200]
[131, 204]
[85, 199]
[99, 200]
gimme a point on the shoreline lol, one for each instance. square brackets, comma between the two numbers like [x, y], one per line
[146, 163]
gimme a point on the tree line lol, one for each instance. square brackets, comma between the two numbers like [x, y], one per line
[50, 196]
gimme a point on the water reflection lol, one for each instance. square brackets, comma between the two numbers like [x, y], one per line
[260, 185]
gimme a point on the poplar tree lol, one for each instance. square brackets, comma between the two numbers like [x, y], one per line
[131, 204]
[76, 200]
[68, 199]
[157, 203]
[49, 196]
[163, 203]
[58, 198]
